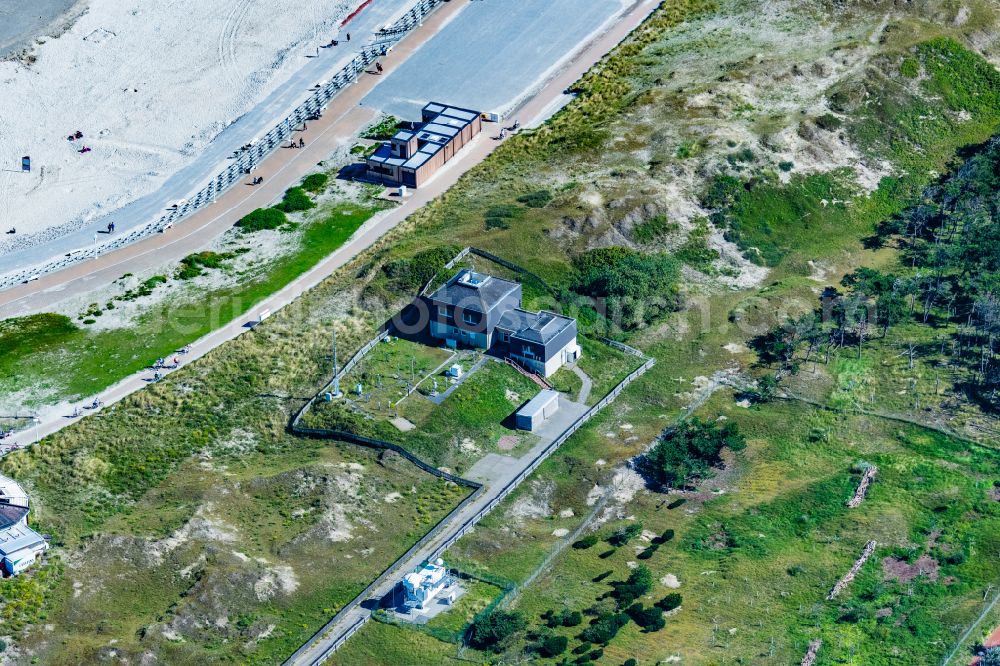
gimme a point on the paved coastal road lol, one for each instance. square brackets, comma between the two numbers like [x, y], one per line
[195, 232]
[214, 158]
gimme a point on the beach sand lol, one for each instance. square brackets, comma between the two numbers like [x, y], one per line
[149, 84]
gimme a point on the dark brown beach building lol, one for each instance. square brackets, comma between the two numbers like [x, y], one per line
[413, 155]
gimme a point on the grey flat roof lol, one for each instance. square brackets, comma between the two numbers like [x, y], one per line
[480, 292]
[537, 405]
[404, 135]
[18, 538]
[534, 326]
[384, 156]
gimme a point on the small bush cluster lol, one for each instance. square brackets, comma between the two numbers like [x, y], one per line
[638, 287]
[564, 618]
[625, 534]
[690, 451]
[604, 628]
[262, 219]
[412, 273]
[539, 199]
[492, 630]
[586, 542]
[315, 182]
[295, 200]
[499, 216]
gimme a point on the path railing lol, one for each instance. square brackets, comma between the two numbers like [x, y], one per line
[468, 525]
[246, 160]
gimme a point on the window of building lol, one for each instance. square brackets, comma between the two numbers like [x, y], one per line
[504, 336]
[443, 310]
[527, 352]
[470, 318]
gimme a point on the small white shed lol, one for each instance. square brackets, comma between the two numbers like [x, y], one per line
[538, 409]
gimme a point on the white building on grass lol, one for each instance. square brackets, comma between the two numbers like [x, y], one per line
[20, 545]
[429, 581]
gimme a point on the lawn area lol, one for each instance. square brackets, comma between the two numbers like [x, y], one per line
[380, 644]
[478, 595]
[53, 357]
[390, 371]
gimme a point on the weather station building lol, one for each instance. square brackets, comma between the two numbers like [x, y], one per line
[427, 582]
[412, 156]
[478, 310]
[20, 545]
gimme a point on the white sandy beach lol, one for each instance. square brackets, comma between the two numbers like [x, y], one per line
[149, 83]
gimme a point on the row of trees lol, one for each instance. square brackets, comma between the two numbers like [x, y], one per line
[949, 277]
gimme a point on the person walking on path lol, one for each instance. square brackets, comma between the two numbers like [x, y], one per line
[348, 36]
[378, 67]
[302, 143]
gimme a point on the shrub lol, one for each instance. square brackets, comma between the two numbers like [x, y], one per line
[630, 662]
[295, 200]
[688, 452]
[786, 166]
[497, 217]
[572, 619]
[669, 602]
[585, 542]
[638, 583]
[491, 630]
[638, 287]
[538, 199]
[625, 534]
[261, 219]
[582, 648]
[315, 182]
[605, 628]
[650, 619]
[553, 646]
[383, 130]
[596, 654]
[412, 273]
[909, 68]
[829, 122]
[193, 265]
[653, 229]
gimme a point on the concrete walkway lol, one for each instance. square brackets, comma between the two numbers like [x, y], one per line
[586, 386]
[495, 472]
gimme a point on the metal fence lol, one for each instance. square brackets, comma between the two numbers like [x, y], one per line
[541, 457]
[247, 158]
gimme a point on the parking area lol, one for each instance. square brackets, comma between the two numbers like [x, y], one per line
[491, 54]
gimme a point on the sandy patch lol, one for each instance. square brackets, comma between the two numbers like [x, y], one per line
[904, 572]
[392, 497]
[670, 581]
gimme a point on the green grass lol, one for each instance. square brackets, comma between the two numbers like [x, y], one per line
[53, 357]
[390, 371]
[566, 381]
